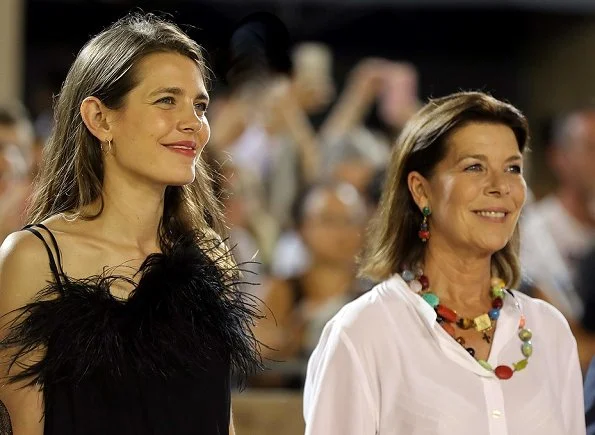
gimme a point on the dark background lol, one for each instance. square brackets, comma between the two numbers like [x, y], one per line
[509, 49]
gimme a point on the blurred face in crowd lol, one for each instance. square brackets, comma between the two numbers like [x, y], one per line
[162, 128]
[574, 158]
[399, 95]
[9, 134]
[332, 226]
[476, 192]
[357, 172]
[16, 143]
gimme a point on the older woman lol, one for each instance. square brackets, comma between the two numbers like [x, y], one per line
[443, 345]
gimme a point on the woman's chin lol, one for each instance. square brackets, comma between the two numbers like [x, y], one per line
[180, 181]
[490, 247]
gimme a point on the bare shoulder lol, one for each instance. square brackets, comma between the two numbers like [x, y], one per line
[24, 269]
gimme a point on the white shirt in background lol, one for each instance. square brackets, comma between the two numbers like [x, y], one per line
[552, 244]
[384, 366]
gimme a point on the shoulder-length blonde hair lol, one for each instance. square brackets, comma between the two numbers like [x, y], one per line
[392, 236]
[71, 172]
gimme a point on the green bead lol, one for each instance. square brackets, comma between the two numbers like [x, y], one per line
[525, 334]
[518, 366]
[426, 211]
[497, 293]
[486, 365]
[431, 299]
[527, 349]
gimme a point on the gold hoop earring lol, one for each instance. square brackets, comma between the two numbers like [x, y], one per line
[109, 147]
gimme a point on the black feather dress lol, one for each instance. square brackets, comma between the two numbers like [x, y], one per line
[159, 362]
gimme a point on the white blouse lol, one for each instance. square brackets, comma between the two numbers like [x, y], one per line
[384, 366]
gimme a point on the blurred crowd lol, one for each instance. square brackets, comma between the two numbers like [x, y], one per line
[298, 194]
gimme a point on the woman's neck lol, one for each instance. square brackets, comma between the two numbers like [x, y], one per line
[460, 280]
[131, 215]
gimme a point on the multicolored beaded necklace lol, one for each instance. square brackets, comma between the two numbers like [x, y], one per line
[483, 323]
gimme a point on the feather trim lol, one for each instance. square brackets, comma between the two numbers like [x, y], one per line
[186, 313]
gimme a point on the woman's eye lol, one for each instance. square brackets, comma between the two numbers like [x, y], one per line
[166, 100]
[516, 169]
[474, 168]
[201, 107]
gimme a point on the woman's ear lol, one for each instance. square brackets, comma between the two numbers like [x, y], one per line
[94, 114]
[419, 189]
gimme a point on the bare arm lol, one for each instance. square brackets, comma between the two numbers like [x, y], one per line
[357, 98]
[303, 134]
[23, 272]
[285, 114]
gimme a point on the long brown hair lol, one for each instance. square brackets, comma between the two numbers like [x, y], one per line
[392, 237]
[71, 172]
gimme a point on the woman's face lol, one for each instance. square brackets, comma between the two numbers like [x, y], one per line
[333, 223]
[162, 127]
[477, 191]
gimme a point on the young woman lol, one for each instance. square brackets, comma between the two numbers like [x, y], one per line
[121, 315]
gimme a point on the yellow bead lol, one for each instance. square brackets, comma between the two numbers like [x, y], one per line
[465, 323]
[482, 322]
[497, 283]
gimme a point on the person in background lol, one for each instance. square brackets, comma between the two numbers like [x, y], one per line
[444, 344]
[394, 87]
[263, 116]
[16, 130]
[558, 230]
[330, 217]
[17, 165]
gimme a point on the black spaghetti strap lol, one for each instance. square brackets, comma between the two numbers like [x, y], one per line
[53, 265]
[56, 247]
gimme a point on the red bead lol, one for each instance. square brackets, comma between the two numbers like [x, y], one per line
[424, 235]
[446, 313]
[424, 281]
[503, 372]
[449, 328]
[497, 303]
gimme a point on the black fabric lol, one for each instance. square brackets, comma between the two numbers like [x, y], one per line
[585, 287]
[159, 362]
[5, 425]
[56, 268]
